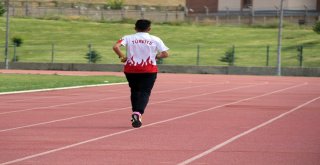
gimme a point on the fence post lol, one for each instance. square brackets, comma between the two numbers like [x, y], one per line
[252, 16]
[26, 8]
[122, 14]
[90, 53]
[217, 20]
[102, 14]
[61, 10]
[300, 55]
[52, 52]
[177, 16]
[79, 11]
[228, 14]
[233, 55]
[167, 15]
[142, 13]
[198, 55]
[14, 52]
[268, 53]
[13, 10]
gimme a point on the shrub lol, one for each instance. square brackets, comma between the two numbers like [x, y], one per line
[15, 59]
[115, 4]
[228, 57]
[93, 56]
[17, 41]
[2, 9]
[316, 27]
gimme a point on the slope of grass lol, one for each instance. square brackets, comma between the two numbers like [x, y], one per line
[126, 2]
[18, 82]
[71, 39]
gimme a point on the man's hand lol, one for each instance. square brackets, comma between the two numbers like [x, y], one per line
[163, 54]
[117, 50]
[123, 59]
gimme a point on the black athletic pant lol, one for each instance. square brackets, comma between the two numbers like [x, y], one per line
[141, 85]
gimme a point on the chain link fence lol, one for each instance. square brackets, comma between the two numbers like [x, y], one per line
[186, 54]
[192, 54]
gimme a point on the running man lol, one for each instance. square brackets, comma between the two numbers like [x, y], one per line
[140, 66]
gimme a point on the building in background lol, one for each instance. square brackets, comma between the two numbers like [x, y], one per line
[214, 6]
[156, 2]
[211, 11]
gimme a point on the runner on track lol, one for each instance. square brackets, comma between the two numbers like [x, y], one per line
[140, 65]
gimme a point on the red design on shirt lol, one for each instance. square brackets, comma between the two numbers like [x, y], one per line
[119, 41]
[146, 66]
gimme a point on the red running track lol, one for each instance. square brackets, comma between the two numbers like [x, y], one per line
[191, 119]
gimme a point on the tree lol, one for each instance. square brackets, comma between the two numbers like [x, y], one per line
[17, 41]
[316, 27]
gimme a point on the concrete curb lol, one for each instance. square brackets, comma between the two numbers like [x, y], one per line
[227, 70]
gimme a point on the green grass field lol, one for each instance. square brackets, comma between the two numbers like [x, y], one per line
[71, 39]
[18, 82]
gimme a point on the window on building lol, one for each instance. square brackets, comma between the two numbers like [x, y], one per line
[246, 4]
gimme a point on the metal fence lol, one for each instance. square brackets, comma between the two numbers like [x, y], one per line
[257, 17]
[96, 12]
[193, 54]
[103, 12]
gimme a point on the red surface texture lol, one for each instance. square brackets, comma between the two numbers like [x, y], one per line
[190, 119]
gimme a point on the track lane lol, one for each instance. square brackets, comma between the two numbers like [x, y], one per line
[159, 140]
[78, 108]
[148, 125]
[267, 160]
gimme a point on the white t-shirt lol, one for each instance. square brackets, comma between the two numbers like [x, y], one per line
[142, 49]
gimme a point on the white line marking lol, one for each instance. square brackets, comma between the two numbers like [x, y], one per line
[60, 105]
[63, 88]
[90, 101]
[69, 94]
[114, 90]
[118, 109]
[244, 133]
[148, 125]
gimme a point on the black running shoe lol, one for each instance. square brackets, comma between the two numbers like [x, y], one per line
[136, 120]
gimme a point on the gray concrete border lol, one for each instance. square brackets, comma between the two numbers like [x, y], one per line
[227, 70]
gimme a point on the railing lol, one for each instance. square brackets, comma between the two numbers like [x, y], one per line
[193, 54]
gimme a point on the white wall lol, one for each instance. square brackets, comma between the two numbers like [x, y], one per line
[231, 4]
[299, 4]
[288, 4]
[269, 4]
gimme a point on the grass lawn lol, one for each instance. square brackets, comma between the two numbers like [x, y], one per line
[19, 82]
[71, 39]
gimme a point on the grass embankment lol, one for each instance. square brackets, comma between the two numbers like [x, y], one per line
[126, 2]
[71, 39]
[19, 82]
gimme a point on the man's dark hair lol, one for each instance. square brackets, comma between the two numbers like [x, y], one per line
[143, 25]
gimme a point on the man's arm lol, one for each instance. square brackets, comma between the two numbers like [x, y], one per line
[117, 50]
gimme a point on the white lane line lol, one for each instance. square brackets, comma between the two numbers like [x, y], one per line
[68, 95]
[118, 109]
[61, 105]
[148, 125]
[63, 88]
[114, 90]
[244, 133]
[90, 101]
